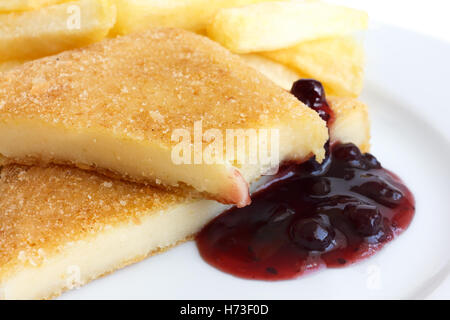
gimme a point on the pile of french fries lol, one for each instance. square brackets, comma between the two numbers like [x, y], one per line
[284, 39]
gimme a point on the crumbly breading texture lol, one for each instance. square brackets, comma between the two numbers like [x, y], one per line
[44, 208]
[143, 86]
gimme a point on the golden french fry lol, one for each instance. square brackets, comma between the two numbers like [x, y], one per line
[193, 15]
[278, 73]
[277, 25]
[337, 62]
[23, 5]
[49, 30]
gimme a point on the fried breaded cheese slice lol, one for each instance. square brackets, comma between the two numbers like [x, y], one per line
[351, 122]
[118, 106]
[61, 227]
[9, 65]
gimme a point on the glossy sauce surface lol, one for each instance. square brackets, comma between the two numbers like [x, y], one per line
[311, 215]
[314, 216]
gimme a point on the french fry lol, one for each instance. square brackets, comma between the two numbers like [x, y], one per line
[23, 5]
[278, 25]
[278, 73]
[49, 30]
[337, 62]
[193, 15]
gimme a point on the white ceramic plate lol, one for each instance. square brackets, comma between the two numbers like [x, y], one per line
[407, 91]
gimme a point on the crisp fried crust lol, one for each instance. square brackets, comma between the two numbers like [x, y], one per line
[48, 215]
[44, 207]
[116, 104]
[58, 220]
[9, 65]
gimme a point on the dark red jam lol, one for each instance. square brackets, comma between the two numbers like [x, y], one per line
[311, 215]
[311, 93]
[328, 215]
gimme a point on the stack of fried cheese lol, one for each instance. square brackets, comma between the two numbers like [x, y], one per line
[88, 183]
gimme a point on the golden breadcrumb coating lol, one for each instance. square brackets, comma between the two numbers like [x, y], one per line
[44, 208]
[145, 85]
[114, 105]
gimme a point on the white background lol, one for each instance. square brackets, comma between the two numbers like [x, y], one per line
[429, 17]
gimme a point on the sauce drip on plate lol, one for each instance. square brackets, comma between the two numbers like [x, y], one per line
[312, 215]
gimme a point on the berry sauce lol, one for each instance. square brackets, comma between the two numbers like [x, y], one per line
[311, 93]
[311, 215]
